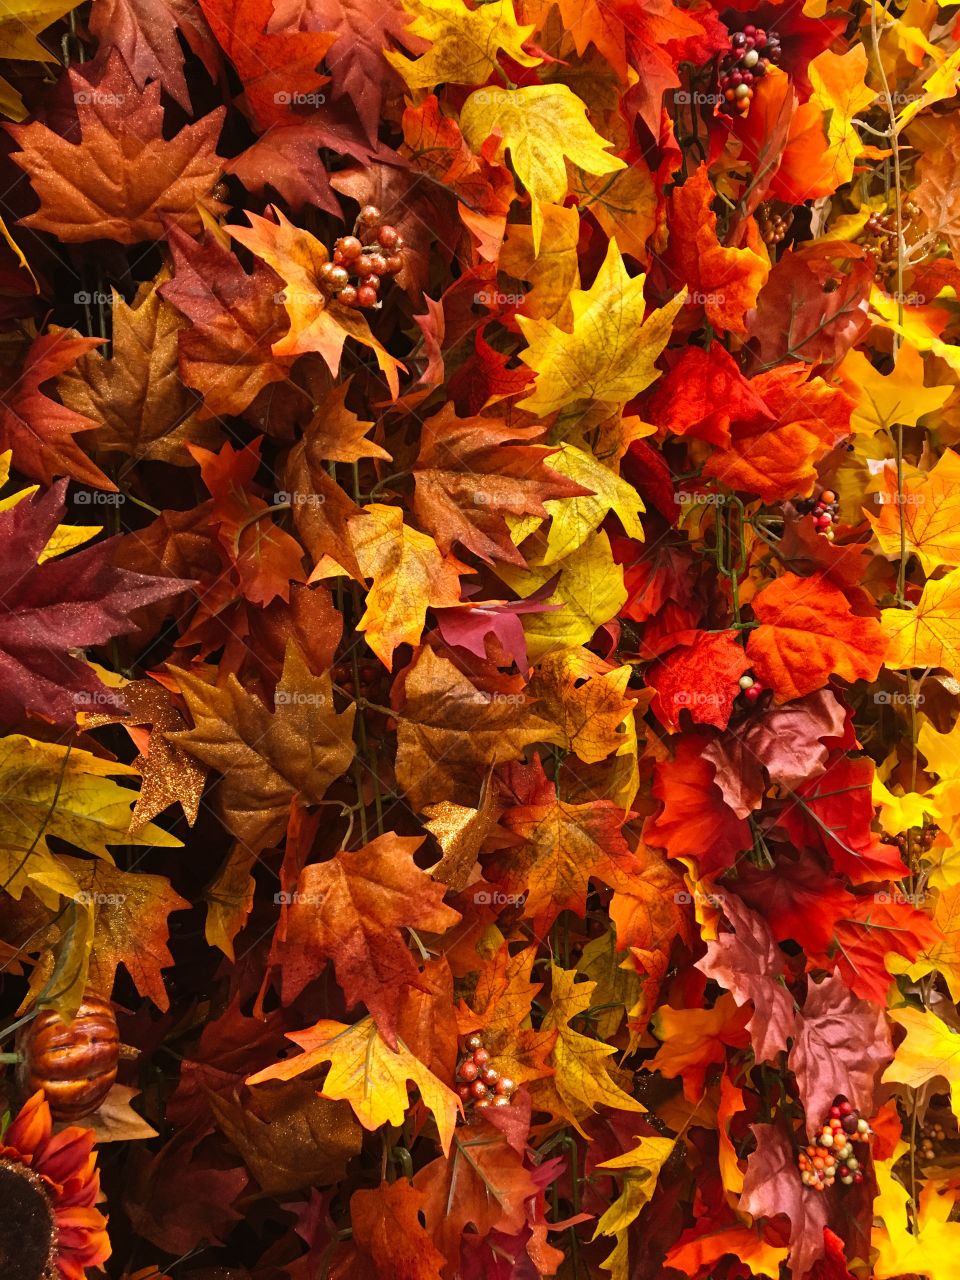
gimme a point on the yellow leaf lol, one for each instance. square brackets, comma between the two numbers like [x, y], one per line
[466, 42]
[944, 955]
[590, 592]
[50, 790]
[641, 1165]
[839, 91]
[900, 813]
[929, 635]
[940, 85]
[928, 504]
[587, 702]
[366, 1072]
[609, 351]
[934, 1251]
[230, 899]
[553, 272]
[931, 1051]
[575, 519]
[582, 1081]
[409, 576]
[21, 21]
[539, 124]
[897, 397]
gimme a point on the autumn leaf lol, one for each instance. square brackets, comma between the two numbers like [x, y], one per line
[539, 125]
[131, 178]
[267, 758]
[701, 677]
[771, 1187]
[608, 352]
[586, 700]
[928, 634]
[351, 910]
[694, 1039]
[145, 32]
[841, 94]
[387, 1228]
[809, 632]
[883, 400]
[368, 1074]
[927, 506]
[465, 43]
[930, 1051]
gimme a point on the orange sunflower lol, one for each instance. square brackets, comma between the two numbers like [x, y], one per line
[49, 1227]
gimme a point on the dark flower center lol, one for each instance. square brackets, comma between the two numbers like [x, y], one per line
[28, 1229]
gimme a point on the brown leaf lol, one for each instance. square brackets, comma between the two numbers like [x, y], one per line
[388, 1231]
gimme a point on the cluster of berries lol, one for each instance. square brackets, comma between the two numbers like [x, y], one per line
[752, 51]
[751, 689]
[774, 226]
[831, 1157]
[354, 275]
[825, 509]
[370, 678]
[879, 235]
[479, 1083]
[920, 842]
[931, 1133]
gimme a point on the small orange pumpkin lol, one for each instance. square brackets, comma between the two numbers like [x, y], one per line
[74, 1063]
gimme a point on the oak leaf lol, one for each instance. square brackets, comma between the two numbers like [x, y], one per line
[267, 758]
[130, 177]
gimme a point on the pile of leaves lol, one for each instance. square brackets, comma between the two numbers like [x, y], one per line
[480, 644]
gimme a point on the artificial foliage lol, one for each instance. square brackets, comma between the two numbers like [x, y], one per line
[480, 640]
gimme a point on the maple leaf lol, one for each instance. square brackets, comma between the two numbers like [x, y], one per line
[586, 700]
[574, 519]
[694, 820]
[266, 758]
[473, 472]
[930, 1051]
[929, 634]
[700, 677]
[695, 1253]
[809, 632]
[729, 279]
[641, 1167]
[145, 33]
[500, 1006]
[265, 558]
[827, 1060]
[388, 1231]
[539, 125]
[68, 794]
[359, 72]
[451, 733]
[772, 1186]
[927, 505]
[694, 1039]
[581, 1080]
[609, 351]
[135, 398]
[368, 1074]
[53, 608]
[841, 94]
[552, 272]
[702, 394]
[436, 147]
[317, 323]
[130, 178]
[276, 69]
[351, 910]
[465, 42]
[749, 964]
[227, 352]
[562, 846]
[883, 400]
[409, 576]
[129, 917]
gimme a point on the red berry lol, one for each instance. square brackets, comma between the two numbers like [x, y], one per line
[373, 282]
[835, 1111]
[489, 1075]
[753, 693]
[349, 246]
[463, 1092]
[388, 236]
[505, 1085]
[481, 1056]
[394, 264]
[474, 1041]
[478, 1089]
[468, 1070]
[482, 1103]
[347, 295]
[369, 215]
[377, 264]
[846, 1108]
[366, 297]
